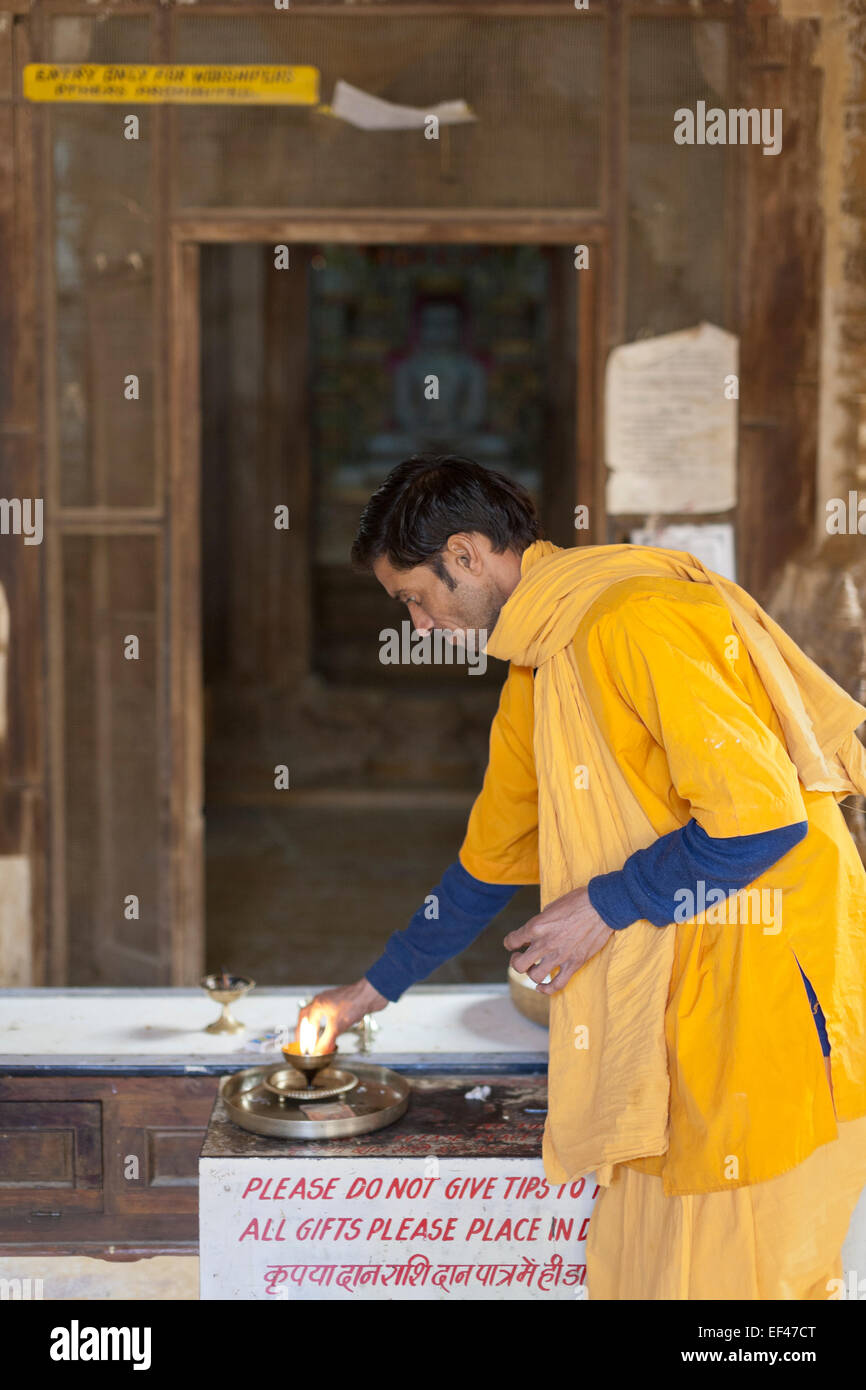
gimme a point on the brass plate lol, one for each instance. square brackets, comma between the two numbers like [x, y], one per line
[379, 1099]
[288, 1084]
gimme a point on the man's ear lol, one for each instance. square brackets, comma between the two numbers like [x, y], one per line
[465, 550]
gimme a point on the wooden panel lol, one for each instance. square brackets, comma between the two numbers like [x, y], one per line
[186, 827]
[380, 225]
[590, 354]
[162, 1122]
[44, 1159]
[103, 494]
[75, 1206]
[21, 577]
[676, 193]
[22, 772]
[561, 481]
[113, 738]
[256, 581]
[18, 338]
[536, 84]
[780, 296]
[173, 1157]
[349, 8]
[215, 306]
[615, 206]
[54, 1145]
[250, 534]
[101, 219]
[7, 62]
[103, 247]
[13, 257]
[286, 593]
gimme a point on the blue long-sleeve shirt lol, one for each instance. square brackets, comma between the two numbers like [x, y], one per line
[452, 916]
[459, 908]
[647, 884]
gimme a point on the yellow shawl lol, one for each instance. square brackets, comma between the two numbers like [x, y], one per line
[619, 997]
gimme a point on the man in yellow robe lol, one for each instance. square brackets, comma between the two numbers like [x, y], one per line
[647, 700]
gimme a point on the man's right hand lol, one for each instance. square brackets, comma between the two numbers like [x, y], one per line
[335, 1010]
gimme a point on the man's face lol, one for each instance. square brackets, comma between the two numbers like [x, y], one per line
[482, 582]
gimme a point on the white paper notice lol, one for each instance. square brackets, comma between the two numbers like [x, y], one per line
[714, 545]
[670, 427]
[372, 113]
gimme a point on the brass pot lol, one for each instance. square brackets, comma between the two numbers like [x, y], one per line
[527, 1000]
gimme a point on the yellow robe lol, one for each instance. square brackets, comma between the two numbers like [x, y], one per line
[684, 1057]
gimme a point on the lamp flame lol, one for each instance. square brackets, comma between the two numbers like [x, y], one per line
[308, 1037]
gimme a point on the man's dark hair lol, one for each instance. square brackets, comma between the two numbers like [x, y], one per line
[430, 497]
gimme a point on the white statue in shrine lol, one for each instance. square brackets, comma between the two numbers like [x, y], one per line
[440, 396]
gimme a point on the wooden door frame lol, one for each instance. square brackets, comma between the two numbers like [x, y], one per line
[187, 234]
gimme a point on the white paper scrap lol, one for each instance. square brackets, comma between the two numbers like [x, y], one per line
[372, 113]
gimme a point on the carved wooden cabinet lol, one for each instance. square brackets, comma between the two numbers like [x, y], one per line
[103, 1164]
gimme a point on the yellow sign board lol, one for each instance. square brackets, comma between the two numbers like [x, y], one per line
[196, 85]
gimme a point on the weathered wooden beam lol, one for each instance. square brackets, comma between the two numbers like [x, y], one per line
[22, 758]
[779, 294]
[390, 227]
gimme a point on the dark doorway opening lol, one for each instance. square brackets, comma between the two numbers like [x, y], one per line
[313, 385]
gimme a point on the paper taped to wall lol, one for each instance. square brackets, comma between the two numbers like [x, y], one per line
[713, 544]
[671, 423]
[372, 113]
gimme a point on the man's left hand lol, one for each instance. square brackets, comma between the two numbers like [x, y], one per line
[562, 938]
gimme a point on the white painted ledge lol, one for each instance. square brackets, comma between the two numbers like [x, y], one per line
[166, 1026]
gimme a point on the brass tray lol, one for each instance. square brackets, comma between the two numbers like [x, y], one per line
[379, 1099]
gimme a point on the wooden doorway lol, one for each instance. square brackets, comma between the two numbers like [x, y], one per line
[289, 654]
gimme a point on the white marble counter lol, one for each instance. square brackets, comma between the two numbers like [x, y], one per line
[162, 1029]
